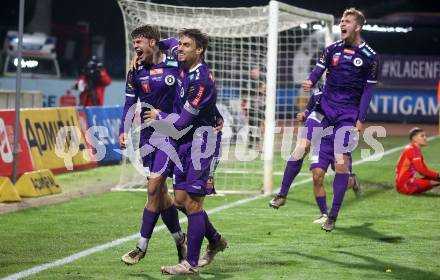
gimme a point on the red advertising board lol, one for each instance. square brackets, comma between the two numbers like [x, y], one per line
[7, 146]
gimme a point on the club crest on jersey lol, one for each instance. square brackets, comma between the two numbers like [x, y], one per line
[182, 92]
[358, 62]
[170, 80]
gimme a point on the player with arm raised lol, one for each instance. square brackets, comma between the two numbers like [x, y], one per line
[411, 163]
[351, 75]
[153, 82]
[196, 108]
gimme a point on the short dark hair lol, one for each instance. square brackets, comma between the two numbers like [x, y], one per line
[146, 31]
[414, 131]
[358, 15]
[198, 36]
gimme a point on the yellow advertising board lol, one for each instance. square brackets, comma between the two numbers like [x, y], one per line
[54, 138]
[7, 191]
[37, 183]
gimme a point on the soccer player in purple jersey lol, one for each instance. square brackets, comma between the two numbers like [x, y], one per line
[351, 75]
[196, 108]
[153, 82]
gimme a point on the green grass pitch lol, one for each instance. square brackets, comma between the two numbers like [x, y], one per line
[383, 235]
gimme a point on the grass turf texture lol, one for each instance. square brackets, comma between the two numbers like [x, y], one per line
[383, 230]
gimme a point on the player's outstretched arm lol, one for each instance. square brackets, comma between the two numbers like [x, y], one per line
[421, 167]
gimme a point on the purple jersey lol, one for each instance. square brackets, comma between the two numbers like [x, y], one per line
[198, 96]
[154, 85]
[351, 72]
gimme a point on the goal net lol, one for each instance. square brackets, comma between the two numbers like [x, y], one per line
[259, 57]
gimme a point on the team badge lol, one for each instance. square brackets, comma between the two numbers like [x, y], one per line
[182, 92]
[358, 62]
[170, 80]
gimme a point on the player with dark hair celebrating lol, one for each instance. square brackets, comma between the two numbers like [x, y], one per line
[153, 82]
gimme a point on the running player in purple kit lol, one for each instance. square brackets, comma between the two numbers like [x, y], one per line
[196, 107]
[351, 75]
[154, 83]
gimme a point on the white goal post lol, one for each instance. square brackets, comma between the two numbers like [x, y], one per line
[259, 57]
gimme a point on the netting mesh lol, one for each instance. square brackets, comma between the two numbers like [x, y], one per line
[237, 57]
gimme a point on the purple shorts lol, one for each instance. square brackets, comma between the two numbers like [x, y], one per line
[316, 121]
[154, 153]
[326, 156]
[198, 165]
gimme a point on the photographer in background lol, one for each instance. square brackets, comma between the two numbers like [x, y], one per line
[91, 84]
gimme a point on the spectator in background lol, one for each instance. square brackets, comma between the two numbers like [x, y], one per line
[92, 83]
[254, 91]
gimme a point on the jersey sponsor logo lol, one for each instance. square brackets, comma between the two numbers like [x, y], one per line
[358, 62]
[197, 187]
[170, 80]
[367, 53]
[156, 78]
[335, 59]
[156, 71]
[347, 57]
[349, 51]
[146, 87]
[198, 97]
[171, 63]
[182, 92]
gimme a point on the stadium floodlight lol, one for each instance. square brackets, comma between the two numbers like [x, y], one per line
[259, 57]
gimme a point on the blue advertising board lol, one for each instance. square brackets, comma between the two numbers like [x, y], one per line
[404, 106]
[110, 118]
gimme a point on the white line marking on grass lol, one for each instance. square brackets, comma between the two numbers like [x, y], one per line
[74, 257]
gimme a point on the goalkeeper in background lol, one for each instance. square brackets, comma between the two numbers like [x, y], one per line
[411, 163]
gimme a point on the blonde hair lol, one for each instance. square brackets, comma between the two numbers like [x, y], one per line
[359, 16]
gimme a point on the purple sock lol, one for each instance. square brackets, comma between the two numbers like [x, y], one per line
[149, 220]
[292, 169]
[322, 204]
[340, 184]
[170, 218]
[211, 233]
[196, 232]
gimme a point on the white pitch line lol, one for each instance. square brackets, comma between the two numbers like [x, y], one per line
[74, 257]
